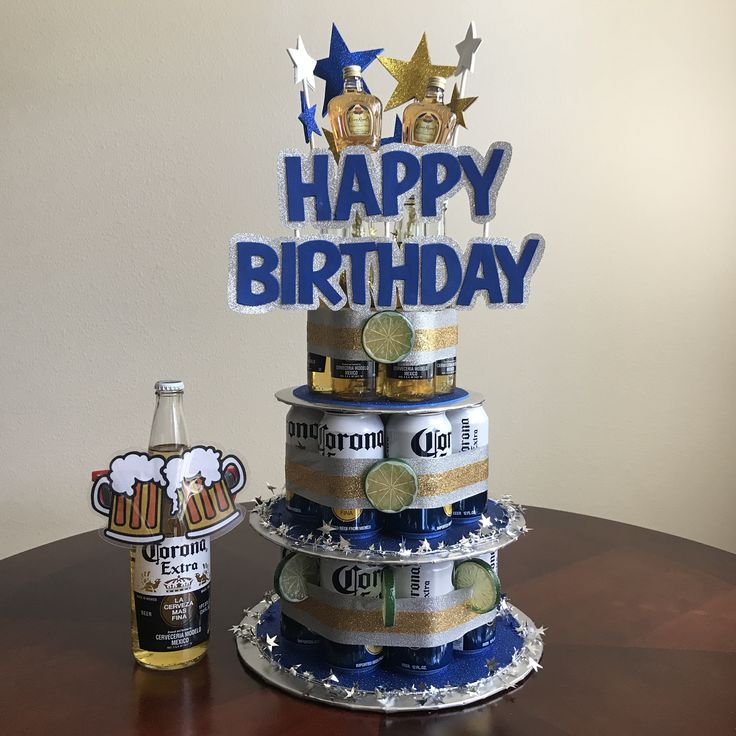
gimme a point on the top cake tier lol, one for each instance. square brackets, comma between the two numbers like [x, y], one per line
[382, 356]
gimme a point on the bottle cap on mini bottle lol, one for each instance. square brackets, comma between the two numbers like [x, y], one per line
[169, 386]
[351, 71]
[437, 82]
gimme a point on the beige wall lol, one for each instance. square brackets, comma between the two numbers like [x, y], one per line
[133, 137]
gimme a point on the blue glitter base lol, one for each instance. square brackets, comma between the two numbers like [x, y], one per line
[465, 667]
[301, 526]
[305, 394]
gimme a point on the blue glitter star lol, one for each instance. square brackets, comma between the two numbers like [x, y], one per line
[330, 68]
[396, 137]
[307, 118]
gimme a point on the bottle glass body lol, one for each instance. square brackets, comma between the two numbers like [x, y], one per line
[404, 381]
[319, 367]
[429, 120]
[168, 439]
[355, 116]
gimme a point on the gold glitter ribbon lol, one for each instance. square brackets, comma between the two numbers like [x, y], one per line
[329, 338]
[406, 622]
[344, 487]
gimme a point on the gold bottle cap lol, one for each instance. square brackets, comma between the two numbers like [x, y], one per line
[351, 71]
[437, 82]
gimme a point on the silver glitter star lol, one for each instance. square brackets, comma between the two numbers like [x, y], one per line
[491, 665]
[270, 642]
[294, 670]
[332, 677]
[344, 544]
[385, 700]
[349, 692]
[403, 551]
[534, 664]
[485, 521]
[424, 547]
[304, 64]
[466, 50]
[326, 529]
[541, 630]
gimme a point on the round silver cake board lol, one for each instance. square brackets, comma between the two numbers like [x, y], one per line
[258, 658]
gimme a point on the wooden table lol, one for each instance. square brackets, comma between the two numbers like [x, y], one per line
[641, 640]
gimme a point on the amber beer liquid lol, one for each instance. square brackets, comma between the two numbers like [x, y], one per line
[170, 580]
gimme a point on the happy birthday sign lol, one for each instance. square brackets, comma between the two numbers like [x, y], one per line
[421, 273]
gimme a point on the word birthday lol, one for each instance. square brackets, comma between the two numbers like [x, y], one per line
[363, 272]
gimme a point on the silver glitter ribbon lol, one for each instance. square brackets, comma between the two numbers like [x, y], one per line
[439, 605]
[324, 328]
[354, 469]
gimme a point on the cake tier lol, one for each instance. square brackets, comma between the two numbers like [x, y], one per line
[469, 677]
[501, 524]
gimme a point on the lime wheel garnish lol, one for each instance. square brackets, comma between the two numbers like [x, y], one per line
[478, 575]
[388, 337]
[391, 486]
[292, 575]
[388, 594]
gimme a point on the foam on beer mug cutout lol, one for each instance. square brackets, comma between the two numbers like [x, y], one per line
[388, 337]
[388, 594]
[292, 575]
[391, 486]
[478, 575]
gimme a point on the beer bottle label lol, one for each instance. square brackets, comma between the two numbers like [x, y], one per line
[171, 587]
[446, 366]
[353, 369]
[316, 363]
[407, 371]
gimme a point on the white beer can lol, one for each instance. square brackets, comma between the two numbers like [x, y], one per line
[419, 436]
[423, 581]
[302, 426]
[469, 432]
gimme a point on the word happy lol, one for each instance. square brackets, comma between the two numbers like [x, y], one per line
[421, 273]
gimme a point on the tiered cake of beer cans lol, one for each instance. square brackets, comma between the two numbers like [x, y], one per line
[387, 596]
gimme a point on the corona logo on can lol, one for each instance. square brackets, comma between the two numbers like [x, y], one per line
[356, 580]
[431, 442]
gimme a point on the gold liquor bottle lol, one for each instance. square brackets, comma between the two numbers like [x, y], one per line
[354, 380]
[407, 381]
[169, 615]
[355, 115]
[319, 367]
[429, 120]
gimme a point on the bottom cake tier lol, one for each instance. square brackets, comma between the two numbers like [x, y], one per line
[469, 677]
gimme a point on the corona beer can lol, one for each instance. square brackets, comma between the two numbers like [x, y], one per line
[422, 581]
[469, 432]
[297, 633]
[351, 436]
[302, 426]
[480, 638]
[419, 436]
[347, 577]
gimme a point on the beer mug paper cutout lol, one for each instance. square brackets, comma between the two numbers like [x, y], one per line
[140, 490]
[202, 487]
[130, 495]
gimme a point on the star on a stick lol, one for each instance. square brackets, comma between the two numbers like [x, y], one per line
[466, 50]
[330, 138]
[306, 117]
[303, 63]
[458, 104]
[330, 68]
[412, 76]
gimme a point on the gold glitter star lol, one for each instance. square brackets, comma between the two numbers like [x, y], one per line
[330, 138]
[458, 104]
[412, 76]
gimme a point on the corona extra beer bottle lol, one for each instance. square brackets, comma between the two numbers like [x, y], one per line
[170, 580]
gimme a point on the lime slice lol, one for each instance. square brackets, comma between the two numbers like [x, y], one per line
[391, 486]
[478, 575]
[292, 575]
[388, 593]
[388, 337]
